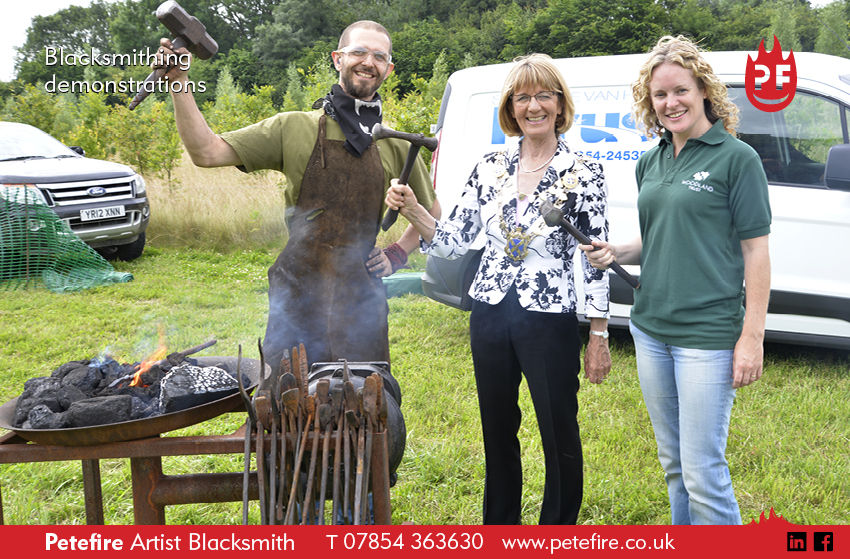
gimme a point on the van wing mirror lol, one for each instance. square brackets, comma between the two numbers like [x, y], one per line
[837, 173]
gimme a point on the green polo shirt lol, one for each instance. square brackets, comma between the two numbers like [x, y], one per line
[694, 210]
[285, 142]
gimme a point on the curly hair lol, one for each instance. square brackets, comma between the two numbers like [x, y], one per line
[535, 70]
[682, 51]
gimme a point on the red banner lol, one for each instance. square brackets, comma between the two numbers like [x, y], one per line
[770, 537]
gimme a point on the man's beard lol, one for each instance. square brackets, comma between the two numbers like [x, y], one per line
[362, 92]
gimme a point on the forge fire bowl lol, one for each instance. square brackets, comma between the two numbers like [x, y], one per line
[140, 428]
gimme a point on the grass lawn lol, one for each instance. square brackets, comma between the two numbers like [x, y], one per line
[789, 447]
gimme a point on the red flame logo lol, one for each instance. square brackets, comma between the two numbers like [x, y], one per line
[771, 81]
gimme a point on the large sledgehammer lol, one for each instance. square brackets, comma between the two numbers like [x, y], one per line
[554, 217]
[379, 132]
[188, 33]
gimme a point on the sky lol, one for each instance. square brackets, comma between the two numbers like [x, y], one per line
[18, 18]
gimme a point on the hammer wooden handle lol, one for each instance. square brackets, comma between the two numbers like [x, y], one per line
[155, 76]
[391, 215]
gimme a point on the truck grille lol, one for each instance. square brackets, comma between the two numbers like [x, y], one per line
[131, 218]
[71, 193]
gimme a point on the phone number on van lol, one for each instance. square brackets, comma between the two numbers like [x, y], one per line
[626, 155]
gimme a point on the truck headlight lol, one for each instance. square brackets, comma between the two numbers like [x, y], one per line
[139, 185]
[22, 193]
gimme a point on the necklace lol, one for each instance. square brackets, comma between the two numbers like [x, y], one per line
[521, 170]
[519, 237]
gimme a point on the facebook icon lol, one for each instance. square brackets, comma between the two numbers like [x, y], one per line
[822, 541]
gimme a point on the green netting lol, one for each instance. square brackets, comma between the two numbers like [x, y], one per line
[39, 250]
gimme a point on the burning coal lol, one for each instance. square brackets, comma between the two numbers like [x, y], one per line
[103, 391]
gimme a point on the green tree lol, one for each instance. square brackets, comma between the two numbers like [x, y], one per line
[134, 26]
[146, 138]
[832, 35]
[416, 48]
[90, 131]
[417, 110]
[297, 25]
[243, 16]
[694, 19]
[73, 30]
[35, 107]
[234, 109]
[783, 26]
[570, 28]
[245, 68]
[295, 97]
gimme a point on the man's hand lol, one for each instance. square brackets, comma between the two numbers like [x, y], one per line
[167, 54]
[378, 264]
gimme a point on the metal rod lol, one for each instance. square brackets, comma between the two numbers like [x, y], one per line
[93, 491]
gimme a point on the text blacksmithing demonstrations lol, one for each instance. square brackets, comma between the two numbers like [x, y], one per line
[54, 57]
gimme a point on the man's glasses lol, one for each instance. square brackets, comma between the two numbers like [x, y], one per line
[542, 97]
[360, 53]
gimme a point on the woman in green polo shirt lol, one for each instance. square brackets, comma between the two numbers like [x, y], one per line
[704, 221]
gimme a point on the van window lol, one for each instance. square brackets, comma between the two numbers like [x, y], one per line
[793, 143]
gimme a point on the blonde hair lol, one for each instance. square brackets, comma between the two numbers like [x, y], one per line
[680, 50]
[535, 70]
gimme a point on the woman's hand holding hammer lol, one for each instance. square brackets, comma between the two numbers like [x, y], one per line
[400, 197]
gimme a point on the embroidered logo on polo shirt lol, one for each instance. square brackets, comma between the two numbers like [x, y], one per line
[698, 183]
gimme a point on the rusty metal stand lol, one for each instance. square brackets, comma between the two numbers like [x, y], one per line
[93, 492]
[153, 490]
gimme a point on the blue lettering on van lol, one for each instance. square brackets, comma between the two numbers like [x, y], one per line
[498, 136]
[602, 95]
[591, 133]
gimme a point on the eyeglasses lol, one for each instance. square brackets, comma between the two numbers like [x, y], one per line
[360, 53]
[542, 97]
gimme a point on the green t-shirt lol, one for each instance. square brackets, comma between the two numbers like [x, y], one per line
[285, 141]
[694, 210]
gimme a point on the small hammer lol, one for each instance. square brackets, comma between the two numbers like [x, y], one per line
[188, 33]
[379, 132]
[554, 217]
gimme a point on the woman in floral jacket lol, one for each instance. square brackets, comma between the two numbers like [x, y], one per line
[523, 317]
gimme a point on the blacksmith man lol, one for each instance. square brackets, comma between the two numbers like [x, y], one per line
[325, 289]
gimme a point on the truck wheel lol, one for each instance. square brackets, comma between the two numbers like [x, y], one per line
[130, 251]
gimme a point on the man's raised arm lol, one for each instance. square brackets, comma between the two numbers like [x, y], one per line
[205, 147]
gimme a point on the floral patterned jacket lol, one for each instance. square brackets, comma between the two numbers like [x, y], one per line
[544, 274]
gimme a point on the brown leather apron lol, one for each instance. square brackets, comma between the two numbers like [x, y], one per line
[320, 292]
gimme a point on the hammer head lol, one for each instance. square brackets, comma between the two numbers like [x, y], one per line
[551, 215]
[379, 132]
[181, 24]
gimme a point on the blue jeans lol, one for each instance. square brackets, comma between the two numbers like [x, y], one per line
[689, 395]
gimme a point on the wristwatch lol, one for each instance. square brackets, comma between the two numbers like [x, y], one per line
[602, 334]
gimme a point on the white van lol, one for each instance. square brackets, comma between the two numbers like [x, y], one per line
[810, 198]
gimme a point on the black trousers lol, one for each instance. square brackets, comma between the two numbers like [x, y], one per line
[508, 341]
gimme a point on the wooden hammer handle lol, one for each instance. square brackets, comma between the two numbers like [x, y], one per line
[155, 76]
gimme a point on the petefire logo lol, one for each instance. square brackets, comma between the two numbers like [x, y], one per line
[770, 80]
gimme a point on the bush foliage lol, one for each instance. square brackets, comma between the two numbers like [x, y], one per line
[273, 56]
[147, 139]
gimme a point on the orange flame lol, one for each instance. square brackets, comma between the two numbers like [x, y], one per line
[158, 354]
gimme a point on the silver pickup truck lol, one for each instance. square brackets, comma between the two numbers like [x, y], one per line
[104, 203]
